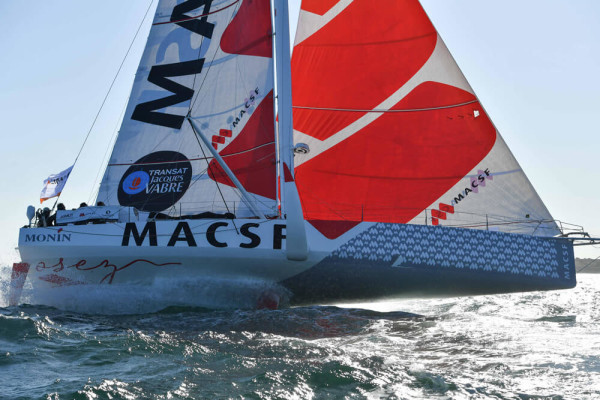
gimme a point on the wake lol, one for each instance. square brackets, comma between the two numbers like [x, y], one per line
[212, 293]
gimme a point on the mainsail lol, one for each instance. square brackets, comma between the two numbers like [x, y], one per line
[395, 131]
[210, 60]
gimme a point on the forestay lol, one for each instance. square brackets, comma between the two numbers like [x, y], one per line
[396, 133]
[213, 61]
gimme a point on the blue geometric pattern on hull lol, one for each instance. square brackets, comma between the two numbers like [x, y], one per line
[428, 246]
[400, 259]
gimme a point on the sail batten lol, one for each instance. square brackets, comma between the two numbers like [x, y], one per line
[387, 111]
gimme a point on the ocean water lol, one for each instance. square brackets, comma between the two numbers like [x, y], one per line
[520, 346]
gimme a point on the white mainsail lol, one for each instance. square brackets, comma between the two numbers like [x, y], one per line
[211, 60]
[396, 133]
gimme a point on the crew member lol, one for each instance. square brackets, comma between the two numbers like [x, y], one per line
[52, 219]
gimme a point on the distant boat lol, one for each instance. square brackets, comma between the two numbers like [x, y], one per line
[391, 181]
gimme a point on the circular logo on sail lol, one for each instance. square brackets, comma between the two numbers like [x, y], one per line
[156, 181]
[136, 182]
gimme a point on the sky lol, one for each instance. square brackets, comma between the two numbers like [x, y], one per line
[534, 64]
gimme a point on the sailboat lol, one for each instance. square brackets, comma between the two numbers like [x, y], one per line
[362, 168]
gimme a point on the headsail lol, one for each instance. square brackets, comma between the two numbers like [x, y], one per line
[211, 60]
[396, 133]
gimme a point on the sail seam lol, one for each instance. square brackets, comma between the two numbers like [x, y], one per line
[248, 150]
[197, 92]
[386, 111]
[379, 43]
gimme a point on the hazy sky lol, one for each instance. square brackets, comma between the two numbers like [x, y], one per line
[534, 64]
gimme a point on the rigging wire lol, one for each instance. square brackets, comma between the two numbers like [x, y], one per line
[106, 158]
[588, 264]
[195, 159]
[208, 172]
[193, 102]
[109, 90]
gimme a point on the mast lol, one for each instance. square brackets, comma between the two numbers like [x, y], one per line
[283, 82]
[291, 208]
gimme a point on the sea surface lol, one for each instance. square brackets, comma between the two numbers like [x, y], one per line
[520, 346]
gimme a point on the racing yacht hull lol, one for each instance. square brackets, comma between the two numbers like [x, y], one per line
[365, 262]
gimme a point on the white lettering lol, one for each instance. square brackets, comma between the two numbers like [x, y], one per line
[162, 188]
